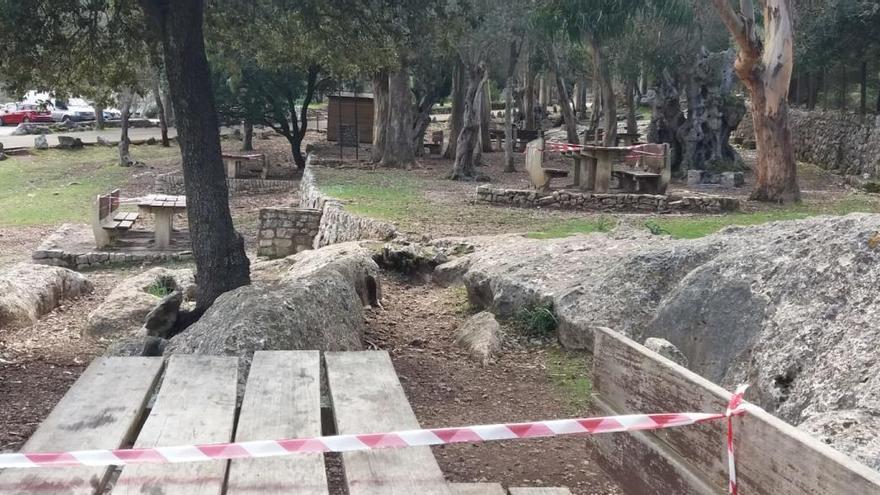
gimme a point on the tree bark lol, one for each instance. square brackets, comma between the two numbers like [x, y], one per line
[485, 120]
[380, 114]
[160, 107]
[609, 104]
[99, 116]
[398, 140]
[463, 168]
[567, 110]
[221, 263]
[125, 98]
[863, 93]
[456, 120]
[247, 141]
[632, 125]
[513, 58]
[765, 69]
[529, 107]
[581, 109]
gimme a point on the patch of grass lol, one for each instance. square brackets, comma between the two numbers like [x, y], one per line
[162, 287]
[386, 195]
[567, 228]
[536, 321]
[692, 227]
[570, 374]
[461, 302]
[54, 186]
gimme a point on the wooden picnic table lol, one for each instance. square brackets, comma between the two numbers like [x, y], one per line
[163, 208]
[196, 404]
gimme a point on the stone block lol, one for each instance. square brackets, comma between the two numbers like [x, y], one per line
[694, 177]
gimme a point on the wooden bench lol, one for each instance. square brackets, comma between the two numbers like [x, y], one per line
[108, 222]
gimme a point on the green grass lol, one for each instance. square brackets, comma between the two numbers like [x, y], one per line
[536, 321]
[699, 226]
[570, 374]
[54, 186]
[565, 228]
[386, 195]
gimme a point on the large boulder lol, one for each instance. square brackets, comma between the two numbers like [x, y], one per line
[41, 143]
[776, 305]
[125, 309]
[312, 300]
[29, 291]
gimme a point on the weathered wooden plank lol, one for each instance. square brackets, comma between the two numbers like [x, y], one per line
[195, 405]
[539, 491]
[282, 399]
[100, 411]
[367, 398]
[773, 457]
[477, 488]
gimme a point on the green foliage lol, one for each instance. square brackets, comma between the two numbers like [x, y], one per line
[536, 321]
[872, 187]
[655, 228]
[162, 286]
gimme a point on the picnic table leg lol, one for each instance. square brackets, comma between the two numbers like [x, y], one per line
[577, 172]
[603, 173]
[164, 222]
[589, 182]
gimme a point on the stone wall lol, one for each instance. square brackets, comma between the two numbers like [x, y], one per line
[172, 183]
[338, 225]
[81, 261]
[286, 231]
[570, 200]
[841, 142]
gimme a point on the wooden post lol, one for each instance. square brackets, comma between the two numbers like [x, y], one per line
[164, 218]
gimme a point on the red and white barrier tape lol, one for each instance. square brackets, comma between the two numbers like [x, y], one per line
[370, 441]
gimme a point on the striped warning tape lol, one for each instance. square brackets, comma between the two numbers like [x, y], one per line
[371, 441]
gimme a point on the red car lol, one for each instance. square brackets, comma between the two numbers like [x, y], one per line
[16, 113]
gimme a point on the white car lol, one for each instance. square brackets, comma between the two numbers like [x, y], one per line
[72, 110]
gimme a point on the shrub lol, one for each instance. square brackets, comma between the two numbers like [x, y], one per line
[162, 286]
[536, 321]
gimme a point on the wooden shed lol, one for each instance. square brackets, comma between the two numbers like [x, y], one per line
[345, 111]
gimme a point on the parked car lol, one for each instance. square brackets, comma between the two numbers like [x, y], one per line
[16, 113]
[112, 114]
[72, 110]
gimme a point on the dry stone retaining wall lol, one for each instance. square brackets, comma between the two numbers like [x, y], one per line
[569, 200]
[286, 231]
[842, 142]
[172, 183]
[338, 225]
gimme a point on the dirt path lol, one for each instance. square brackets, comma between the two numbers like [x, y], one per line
[417, 325]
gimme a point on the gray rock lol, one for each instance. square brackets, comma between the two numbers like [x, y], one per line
[776, 305]
[69, 143]
[125, 309]
[28, 291]
[102, 141]
[731, 180]
[160, 321]
[2, 152]
[480, 336]
[694, 177]
[667, 350]
[41, 143]
[312, 300]
[410, 258]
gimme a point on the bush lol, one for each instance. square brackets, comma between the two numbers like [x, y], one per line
[536, 321]
[655, 228]
[872, 187]
[162, 286]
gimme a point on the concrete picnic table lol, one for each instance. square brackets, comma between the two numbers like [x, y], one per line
[163, 208]
[234, 163]
[597, 164]
[195, 403]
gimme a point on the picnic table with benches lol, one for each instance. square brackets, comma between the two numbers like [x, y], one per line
[109, 408]
[108, 222]
[162, 207]
[521, 137]
[647, 168]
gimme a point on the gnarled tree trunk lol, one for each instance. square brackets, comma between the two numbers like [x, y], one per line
[380, 114]
[529, 107]
[468, 139]
[510, 84]
[765, 69]
[221, 263]
[485, 120]
[606, 83]
[398, 140]
[456, 119]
